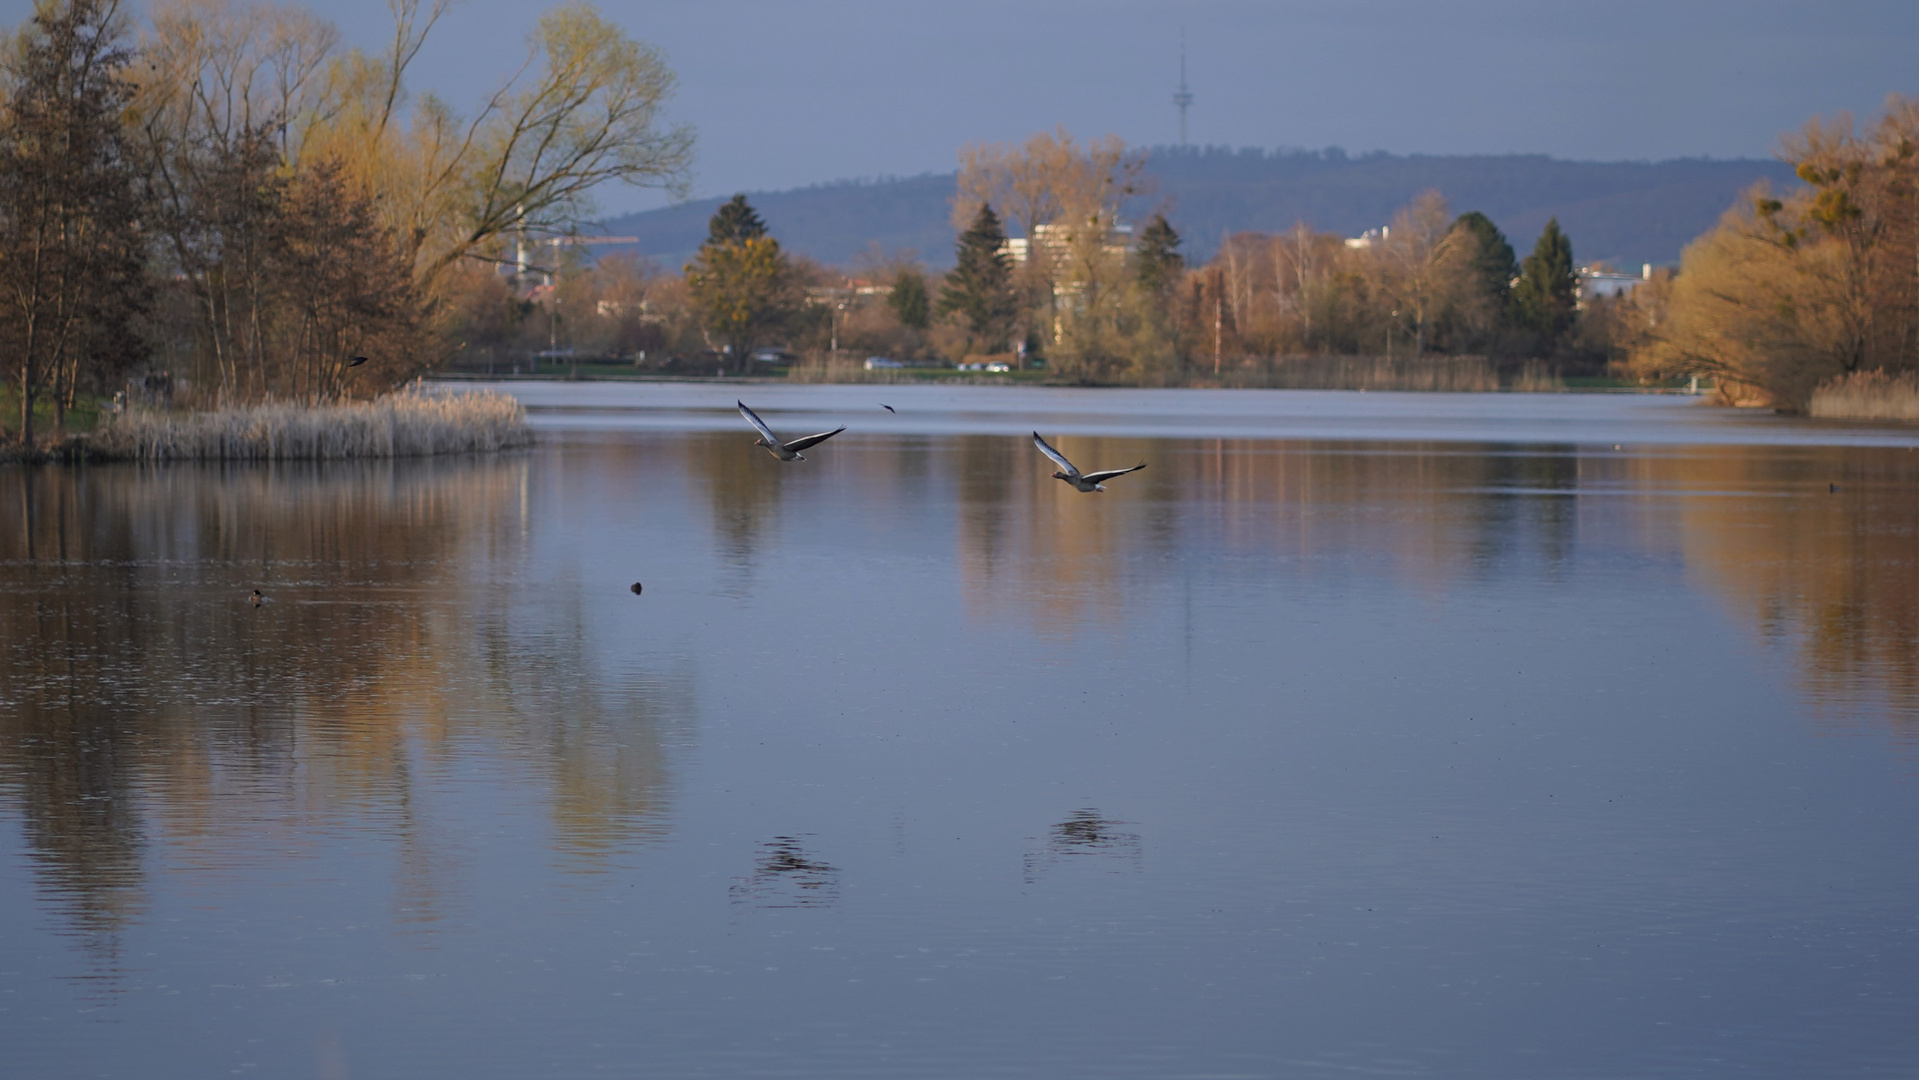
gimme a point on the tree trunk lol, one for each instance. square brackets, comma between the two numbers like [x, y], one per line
[26, 404]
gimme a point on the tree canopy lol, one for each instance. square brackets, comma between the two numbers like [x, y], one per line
[741, 282]
[1548, 289]
[1157, 262]
[909, 300]
[980, 287]
[1493, 264]
[72, 259]
[735, 222]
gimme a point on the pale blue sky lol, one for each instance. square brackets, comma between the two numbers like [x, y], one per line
[791, 92]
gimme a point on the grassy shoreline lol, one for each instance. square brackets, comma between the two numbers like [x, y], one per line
[411, 423]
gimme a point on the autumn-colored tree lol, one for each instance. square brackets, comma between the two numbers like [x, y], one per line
[1424, 264]
[1790, 290]
[236, 98]
[1064, 198]
[741, 282]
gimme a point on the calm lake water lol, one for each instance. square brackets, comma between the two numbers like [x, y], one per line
[1384, 735]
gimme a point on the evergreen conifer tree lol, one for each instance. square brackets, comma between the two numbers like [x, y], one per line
[735, 222]
[1493, 265]
[742, 283]
[1157, 262]
[910, 303]
[980, 288]
[1547, 292]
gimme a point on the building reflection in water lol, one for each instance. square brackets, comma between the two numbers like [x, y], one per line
[1086, 834]
[143, 698]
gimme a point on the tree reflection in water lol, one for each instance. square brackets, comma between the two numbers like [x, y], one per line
[143, 698]
[1830, 576]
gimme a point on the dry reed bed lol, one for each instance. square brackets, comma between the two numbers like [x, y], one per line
[406, 424]
[1868, 395]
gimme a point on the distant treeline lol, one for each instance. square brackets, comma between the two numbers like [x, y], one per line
[1626, 213]
[1048, 274]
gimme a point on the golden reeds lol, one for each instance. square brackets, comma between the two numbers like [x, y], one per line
[1868, 395]
[406, 424]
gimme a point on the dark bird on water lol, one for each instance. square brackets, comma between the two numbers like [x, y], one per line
[356, 361]
[888, 408]
[785, 451]
[258, 598]
[636, 588]
[1072, 475]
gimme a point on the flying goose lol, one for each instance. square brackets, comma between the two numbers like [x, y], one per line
[785, 451]
[1086, 481]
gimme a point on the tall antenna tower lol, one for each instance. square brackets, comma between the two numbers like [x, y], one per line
[1184, 97]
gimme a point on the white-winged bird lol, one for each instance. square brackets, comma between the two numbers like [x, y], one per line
[1072, 475]
[785, 451]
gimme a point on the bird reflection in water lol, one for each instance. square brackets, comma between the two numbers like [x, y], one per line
[1085, 833]
[786, 877]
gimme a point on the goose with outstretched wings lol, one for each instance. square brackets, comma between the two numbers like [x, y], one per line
[1070, 473]
[785, 451]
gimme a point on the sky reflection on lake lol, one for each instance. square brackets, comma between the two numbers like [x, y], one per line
[1283, 757]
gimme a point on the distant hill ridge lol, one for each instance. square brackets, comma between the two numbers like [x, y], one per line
[1622, 212]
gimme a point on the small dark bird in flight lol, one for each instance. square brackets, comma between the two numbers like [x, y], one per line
[356, 361]
[1070, 474]
[785, 451]
[258, 598]
[636, 588]
[888, 408]
[1833, 489]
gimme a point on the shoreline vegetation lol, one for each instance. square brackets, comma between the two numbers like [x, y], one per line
[1431, 374]
[410, 423]
[218, 206]
[1868, 395]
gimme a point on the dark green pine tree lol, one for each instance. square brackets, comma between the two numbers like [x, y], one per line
[980, 288]
[1157, 262]
[735, 222]
[910, 303]
[1544, 299]
[1493, 265]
